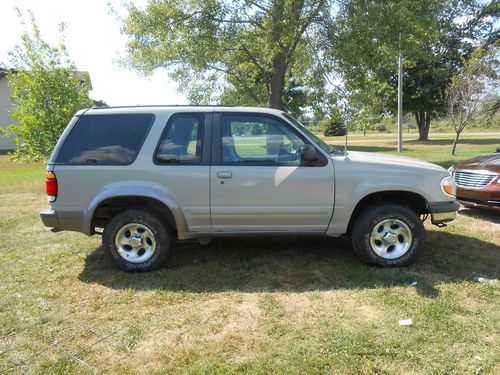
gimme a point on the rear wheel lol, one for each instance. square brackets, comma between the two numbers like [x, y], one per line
[388, 234]
[136, 240]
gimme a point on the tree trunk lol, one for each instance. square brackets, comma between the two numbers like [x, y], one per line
[277, 83]
[277, 79]
[455, 143]
[423, 120]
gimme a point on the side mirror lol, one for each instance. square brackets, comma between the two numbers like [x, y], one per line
[309, 154]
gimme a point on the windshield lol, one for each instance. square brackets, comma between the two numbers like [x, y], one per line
[324, 146]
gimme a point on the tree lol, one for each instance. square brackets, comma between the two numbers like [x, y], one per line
[335, 125]
[437, 35]
[45, 92]
[471, 89]
[236, 52]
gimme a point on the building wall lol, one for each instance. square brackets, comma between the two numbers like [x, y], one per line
[5, 119]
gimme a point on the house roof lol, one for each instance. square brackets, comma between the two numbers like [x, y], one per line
[3, 72]
[80, 75]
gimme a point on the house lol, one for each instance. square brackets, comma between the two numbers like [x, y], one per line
[6, 143]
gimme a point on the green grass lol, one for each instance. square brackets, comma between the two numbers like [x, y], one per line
[252, 305]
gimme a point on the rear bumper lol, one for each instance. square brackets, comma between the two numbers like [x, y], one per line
[49, 219]
[63, 220]
[443, 212]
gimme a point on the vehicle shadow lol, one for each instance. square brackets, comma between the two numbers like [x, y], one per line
[297, 265]
[481, 213]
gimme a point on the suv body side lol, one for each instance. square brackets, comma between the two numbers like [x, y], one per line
[213, 197]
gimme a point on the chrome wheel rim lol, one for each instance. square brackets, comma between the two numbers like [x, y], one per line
[391, 238]
[135, 242]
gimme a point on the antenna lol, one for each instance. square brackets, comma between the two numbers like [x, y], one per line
[345, 146]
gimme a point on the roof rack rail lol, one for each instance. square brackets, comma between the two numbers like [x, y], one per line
[161, 105]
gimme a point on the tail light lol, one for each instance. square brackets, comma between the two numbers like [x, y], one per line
[51, 186]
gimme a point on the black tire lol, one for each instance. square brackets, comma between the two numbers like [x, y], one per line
[154, 241]
[368, 238]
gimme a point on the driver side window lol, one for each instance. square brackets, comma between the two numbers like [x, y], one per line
[258, 140]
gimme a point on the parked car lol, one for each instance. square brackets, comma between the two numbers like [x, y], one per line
[478, 181]
[147, 175]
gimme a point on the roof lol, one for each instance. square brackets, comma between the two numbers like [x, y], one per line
[3, 72]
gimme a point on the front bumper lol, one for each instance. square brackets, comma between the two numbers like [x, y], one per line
[491, 204]
[487, 197]
[443, 212]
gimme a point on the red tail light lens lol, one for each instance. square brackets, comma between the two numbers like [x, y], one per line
[51, 186]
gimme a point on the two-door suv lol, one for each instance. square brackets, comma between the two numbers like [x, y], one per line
[148, 175]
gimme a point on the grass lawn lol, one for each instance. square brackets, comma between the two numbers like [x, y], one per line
[254, 306]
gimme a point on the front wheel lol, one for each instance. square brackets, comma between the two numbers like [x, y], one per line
[388, 234]
[136, 240]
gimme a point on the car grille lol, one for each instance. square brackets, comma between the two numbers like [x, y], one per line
[475, 180]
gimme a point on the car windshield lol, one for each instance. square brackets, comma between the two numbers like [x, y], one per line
[324, 146]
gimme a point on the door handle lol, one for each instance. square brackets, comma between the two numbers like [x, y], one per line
[224, 174]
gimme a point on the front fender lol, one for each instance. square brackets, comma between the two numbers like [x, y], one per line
[388, 183]
[349, 193]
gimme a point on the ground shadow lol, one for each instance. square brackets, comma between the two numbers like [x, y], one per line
[365, 148]
[481, 213]
[297, 265]
[370, 148]
[445, 164]
[470, 141]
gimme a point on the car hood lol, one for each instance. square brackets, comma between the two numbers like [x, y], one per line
[490, 162]
[396, 161]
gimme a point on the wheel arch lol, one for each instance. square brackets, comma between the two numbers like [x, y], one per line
[111, 206]
[412, 200]
[109, 202]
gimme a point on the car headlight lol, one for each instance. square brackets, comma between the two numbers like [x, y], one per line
[448, 186]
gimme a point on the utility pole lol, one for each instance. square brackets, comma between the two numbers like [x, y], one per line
[400, 98]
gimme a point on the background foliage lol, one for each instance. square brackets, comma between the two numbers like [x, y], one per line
[46, 92]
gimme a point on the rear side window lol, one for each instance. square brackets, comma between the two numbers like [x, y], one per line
[106, 139]
[181, 141]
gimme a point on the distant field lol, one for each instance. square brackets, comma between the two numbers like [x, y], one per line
[248, 306]
[436, 150]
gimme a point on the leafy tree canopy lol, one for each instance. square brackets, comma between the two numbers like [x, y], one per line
[262, 52]
[45, 92]
[437, 35]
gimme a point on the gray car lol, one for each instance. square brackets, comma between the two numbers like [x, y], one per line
[147, 175]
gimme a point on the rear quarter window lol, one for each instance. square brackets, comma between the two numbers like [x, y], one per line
[106, 139]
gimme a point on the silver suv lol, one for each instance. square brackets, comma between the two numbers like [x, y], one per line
[147, 175]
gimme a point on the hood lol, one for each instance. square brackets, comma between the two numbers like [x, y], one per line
[490, 162]
[393, 160]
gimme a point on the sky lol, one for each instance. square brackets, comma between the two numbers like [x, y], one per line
[94, 43]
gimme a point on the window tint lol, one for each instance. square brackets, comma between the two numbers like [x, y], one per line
[258, 140]
[105, 139]
[181, 142]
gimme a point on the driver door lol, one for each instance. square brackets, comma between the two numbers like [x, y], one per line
[258, 182]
